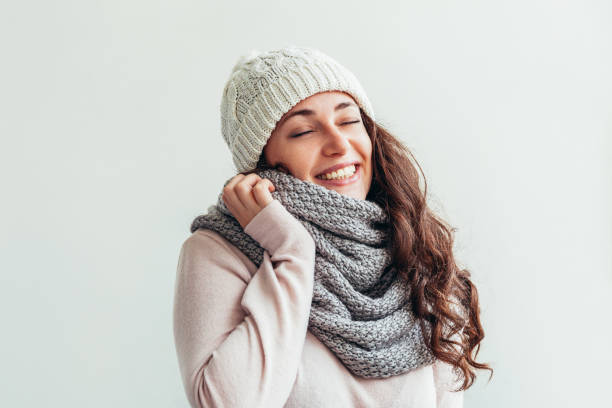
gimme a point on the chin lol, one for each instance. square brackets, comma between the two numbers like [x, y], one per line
[351, 193]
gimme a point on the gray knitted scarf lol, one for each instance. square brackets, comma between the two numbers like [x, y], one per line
[360, 307]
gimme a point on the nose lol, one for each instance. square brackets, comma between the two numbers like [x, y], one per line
[336, 142]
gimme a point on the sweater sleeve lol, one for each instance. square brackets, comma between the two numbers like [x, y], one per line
[239, 338]
[445, 381]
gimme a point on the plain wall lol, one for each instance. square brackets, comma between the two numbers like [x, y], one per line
[111, 145]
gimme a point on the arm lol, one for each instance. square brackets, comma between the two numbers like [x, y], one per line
[239, 339]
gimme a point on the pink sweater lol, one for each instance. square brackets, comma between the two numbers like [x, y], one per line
[241, 332]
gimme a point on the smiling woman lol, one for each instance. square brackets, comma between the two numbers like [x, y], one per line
[320, 277]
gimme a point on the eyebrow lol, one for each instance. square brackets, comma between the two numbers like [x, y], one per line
[307, 112]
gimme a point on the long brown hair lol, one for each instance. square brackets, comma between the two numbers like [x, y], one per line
[441, 293]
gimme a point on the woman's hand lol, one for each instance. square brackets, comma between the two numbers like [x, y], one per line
[246, 195]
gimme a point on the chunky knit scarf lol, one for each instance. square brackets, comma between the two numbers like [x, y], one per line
[360, 307]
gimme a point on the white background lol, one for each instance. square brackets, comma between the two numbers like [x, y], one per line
[111, 145]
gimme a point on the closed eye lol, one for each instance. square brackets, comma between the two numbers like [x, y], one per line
[309, 131]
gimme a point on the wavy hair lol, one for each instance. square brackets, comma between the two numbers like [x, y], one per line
[444, 299]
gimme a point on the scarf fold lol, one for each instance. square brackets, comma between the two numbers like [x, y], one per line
[360, 306]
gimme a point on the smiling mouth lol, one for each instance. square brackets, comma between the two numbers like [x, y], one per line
[346, 179]
[342, 173]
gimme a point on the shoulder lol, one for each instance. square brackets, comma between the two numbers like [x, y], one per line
[202, 240]
[205, 249]
[446, 374]
[447, 382]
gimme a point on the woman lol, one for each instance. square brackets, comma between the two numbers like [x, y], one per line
[320, 278]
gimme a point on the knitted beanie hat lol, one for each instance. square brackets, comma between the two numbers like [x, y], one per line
[263, 86]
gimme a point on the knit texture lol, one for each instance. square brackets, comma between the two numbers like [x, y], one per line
[360, 307]
[263, 86]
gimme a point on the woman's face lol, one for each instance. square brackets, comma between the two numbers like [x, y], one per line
[322, 134]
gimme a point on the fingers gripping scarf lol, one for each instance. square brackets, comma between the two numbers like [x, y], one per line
[360, 307]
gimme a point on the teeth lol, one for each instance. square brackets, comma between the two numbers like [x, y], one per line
[340, 174]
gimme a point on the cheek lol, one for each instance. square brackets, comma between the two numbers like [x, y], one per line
[366, 147]
[366, 151]
[302, 165]
[299, 158]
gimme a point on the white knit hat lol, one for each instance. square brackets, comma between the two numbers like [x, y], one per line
[263, 86]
